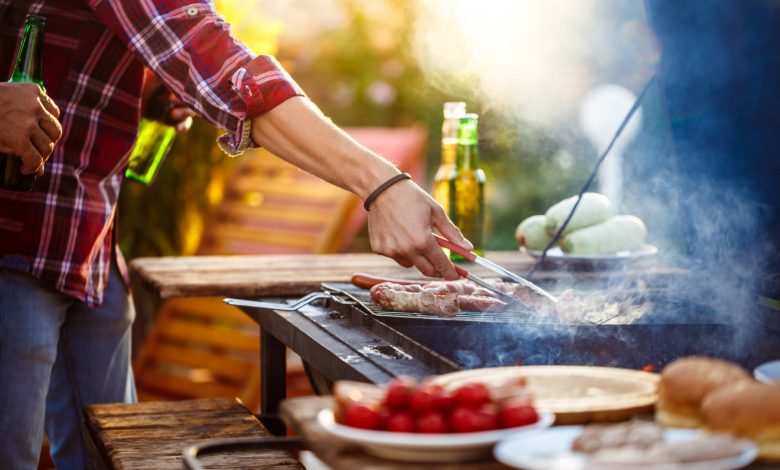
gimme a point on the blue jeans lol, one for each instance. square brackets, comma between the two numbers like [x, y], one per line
[56, 356]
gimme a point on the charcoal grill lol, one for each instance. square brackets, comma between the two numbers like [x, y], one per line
[341, 334]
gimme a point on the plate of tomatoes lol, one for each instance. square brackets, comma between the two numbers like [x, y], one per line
[426, 422]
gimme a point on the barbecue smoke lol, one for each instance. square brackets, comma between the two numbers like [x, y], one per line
[523, 59]
[534, 61]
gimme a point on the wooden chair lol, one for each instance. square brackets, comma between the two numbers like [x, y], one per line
[202, 348]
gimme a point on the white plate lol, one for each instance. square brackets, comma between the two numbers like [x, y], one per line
[411, 447]
[768, 372]
[550, 449]
[557, 256]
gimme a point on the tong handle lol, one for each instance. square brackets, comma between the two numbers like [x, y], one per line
[444, 243]
[460, 270]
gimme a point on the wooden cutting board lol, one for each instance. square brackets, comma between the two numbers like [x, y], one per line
[576, 394]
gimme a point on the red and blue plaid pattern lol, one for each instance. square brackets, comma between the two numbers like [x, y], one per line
[94, 54]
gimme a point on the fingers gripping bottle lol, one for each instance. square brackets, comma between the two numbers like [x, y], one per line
[29, 68]
[155, 138]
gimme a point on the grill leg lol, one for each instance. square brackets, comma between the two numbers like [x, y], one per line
[273, 382]
[318, 382]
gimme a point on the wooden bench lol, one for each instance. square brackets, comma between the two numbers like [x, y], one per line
[153, 435]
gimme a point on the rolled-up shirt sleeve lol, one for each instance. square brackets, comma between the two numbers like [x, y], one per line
[189, 46]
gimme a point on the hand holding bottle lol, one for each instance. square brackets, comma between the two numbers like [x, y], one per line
[164, 116]
[161, 105]
[28, 124]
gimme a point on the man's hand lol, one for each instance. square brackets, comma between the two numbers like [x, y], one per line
[161, 105]
[400, 226]
[28, 124]
[181, 115]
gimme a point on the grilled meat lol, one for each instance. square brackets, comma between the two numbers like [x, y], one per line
[441, 305]
[481, 303]
[470, 297]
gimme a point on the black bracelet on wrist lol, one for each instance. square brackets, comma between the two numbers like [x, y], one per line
[382, 187]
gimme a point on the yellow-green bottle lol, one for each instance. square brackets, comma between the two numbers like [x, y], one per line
[29, 68]
[155, 137]
[449, 151]
[467, 186]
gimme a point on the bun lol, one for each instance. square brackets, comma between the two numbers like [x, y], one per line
[684, 384]
[749, 409]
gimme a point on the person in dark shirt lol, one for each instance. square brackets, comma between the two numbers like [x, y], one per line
[719, 77]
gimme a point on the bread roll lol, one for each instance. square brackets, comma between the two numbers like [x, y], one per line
[749, 409]
[684, 384]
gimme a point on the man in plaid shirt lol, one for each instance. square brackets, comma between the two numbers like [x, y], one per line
[64, 313]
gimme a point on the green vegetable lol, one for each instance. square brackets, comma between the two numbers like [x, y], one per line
[593, 208]
[532, 233]
[618, 233]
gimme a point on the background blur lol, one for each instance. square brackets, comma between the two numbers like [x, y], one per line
[526, 66]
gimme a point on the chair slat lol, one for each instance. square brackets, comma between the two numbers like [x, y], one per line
[229, 367]
[182, 388]
[210, 336]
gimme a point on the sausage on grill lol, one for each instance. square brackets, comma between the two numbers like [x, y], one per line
[441, 305]
[428, 298]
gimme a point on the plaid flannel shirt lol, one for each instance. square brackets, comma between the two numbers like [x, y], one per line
[94, 54]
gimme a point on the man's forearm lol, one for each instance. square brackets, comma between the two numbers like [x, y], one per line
[298, 132]
[402, 218]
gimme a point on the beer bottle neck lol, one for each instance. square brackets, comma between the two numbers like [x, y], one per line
[468, 157]
[449, 141]
[29, 62]
[467, 143]
[453, 111]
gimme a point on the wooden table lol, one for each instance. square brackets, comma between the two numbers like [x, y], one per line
[154, 435]
[293, 275]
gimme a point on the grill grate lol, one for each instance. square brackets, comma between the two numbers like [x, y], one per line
[610, 310]
[494, 317]
[363, 299]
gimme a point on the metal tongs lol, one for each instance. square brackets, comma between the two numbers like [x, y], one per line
[302, 302]
[504, 273]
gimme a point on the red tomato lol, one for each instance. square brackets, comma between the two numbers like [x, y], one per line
[466, 419]
[401, 421]
[432, 422]
[511, 416]
[472, 395]
[398, 394]
[362, 416]
[422, 400]
[445, 401]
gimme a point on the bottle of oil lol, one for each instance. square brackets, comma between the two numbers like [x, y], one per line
[29, 68]
[467, 186]
[449, 149]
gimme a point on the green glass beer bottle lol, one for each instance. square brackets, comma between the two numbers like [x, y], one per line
[155, 137]
[467, 186]
[29, 68]
[449, 150]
